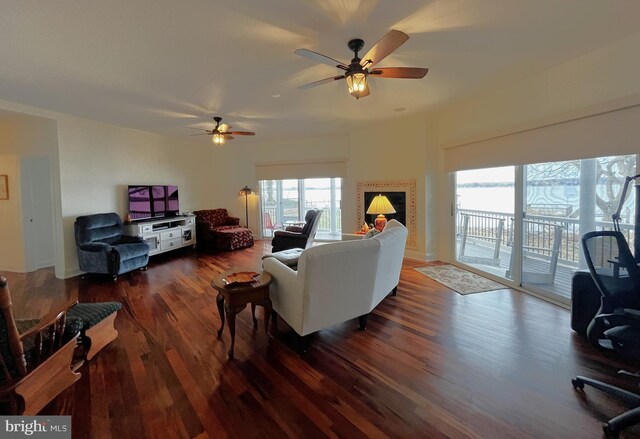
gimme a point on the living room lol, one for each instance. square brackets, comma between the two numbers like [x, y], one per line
[569, 74]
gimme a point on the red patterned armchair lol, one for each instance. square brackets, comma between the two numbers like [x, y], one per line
[210, 221]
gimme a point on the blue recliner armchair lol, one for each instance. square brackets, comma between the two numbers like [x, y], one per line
[102, 247]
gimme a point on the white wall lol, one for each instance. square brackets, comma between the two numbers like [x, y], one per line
[12, 250]
[97, 161]
[22, 137]
[598, 82]
[372, 152]
[234, 166]
[584, 83]
[405, 151]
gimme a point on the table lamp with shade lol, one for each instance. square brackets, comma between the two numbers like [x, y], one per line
[380, 206]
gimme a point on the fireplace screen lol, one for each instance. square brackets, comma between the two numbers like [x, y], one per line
[397, 199]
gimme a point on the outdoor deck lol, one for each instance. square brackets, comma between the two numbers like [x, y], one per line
[562, 280]
[548, 242]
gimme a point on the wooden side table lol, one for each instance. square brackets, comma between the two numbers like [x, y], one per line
[234, 298]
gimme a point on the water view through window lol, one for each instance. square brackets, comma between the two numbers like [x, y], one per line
[560, 202]
[285, 203]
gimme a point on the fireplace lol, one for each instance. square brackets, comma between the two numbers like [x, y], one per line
[401, 195]
[397, 199]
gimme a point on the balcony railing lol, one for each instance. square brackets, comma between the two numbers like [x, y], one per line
[292, 215]
[539, 232]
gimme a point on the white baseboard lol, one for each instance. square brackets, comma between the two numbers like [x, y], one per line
[13, 268]
[419, 256]
[45, 264]
[73, 272]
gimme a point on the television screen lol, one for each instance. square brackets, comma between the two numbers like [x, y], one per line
[153, 201]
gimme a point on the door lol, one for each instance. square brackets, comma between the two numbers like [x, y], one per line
[37, 212]
[557, 202]
[484, 219]
[562, 201]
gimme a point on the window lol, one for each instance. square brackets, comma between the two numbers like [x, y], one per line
[285, 203]
[560, 202]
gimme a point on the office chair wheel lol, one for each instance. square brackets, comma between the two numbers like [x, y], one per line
[577, 384]
[609, 432]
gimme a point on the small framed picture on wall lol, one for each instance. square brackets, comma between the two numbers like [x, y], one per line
[4, 187]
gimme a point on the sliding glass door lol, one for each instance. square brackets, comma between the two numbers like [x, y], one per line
[484, 218]
[559, 201]
[562, 201]
[285, 203]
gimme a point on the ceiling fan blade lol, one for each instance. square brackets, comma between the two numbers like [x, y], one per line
[200, 134]
[224, 127]
[227, 136]
[400, 72]
[384, 47]
[194, 128]
[241, 133]
[320, 58]
[320, 82]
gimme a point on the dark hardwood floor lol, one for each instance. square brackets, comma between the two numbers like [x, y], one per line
[431, 363]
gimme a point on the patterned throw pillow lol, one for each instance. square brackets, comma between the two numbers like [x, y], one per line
[371, 233]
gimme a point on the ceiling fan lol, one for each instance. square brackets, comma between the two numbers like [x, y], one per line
[220, 133]
[357, 71]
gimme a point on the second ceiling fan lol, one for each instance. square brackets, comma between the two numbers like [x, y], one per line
[359, 69]
[220, 133]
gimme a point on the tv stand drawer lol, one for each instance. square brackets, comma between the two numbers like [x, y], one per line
[171, 244]
[170, 234]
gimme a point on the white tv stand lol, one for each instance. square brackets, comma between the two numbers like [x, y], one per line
[166, 234]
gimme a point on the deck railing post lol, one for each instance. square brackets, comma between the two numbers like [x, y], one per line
[496, 251]
[465, 228]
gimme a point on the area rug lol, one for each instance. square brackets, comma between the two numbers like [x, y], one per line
[459, 280]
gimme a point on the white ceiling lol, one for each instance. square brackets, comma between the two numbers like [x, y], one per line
[163, 65]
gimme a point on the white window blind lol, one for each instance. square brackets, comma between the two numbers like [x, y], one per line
[612, 133]
[301, 169]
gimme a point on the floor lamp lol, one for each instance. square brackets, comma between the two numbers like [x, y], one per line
[246, 191]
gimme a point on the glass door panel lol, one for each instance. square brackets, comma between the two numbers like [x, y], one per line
[285, 203]
[289, 208]
[562, 201]
[320, 194]
[484, 219]
[269, 203]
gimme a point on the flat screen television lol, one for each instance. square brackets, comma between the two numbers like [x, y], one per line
[153, 202]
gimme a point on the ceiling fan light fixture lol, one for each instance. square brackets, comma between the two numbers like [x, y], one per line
[356, 83]
[218, 139]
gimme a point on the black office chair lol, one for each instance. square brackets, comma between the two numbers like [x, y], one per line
[617, 324]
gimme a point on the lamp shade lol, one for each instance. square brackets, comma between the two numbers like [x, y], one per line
[357, 84]
[245, 191]
[218, 139]
[380, 205]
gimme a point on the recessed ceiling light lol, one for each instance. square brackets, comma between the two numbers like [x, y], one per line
[275, 96]
[399, 109]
